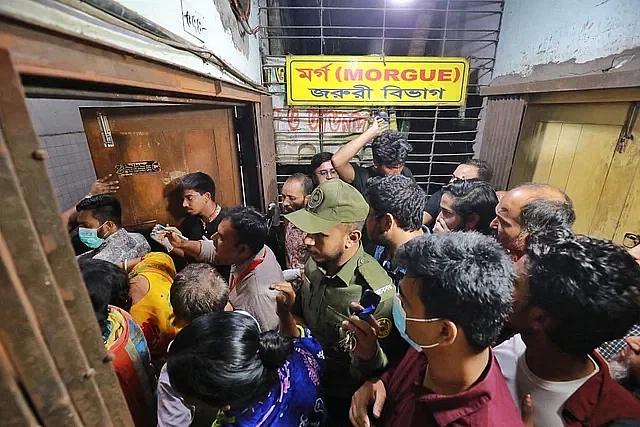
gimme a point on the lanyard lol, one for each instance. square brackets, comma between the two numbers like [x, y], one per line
[237, 279]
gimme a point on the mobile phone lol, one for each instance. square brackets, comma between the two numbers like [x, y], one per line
[369, 302]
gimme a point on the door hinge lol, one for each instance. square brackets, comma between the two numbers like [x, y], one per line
[626, 134]
[105, 130]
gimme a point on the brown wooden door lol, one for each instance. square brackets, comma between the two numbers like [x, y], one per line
[574, 147]
[154, 146]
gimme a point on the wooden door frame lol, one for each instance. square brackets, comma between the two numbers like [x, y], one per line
[56, 65]
[496, 125]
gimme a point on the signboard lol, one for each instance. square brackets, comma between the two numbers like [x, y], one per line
[369, 80]
[193, 22]
[137, 168]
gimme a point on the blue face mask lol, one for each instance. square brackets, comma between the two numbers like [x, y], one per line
[89, 236]
[400, 319]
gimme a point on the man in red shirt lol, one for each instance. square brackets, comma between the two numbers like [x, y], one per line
[572, 294]
[453, 301]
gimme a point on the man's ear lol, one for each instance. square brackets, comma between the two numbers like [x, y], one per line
[353, 238]
[448, 333]
[306, 199]
[244, 251]
[388, 222]
[539, 320]
[472, 222]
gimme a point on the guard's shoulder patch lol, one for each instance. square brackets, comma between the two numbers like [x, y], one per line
[385, 327]
[375, 276]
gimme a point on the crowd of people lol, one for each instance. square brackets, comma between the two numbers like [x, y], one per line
[470, 307]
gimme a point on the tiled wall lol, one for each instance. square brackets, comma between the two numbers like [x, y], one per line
[59, 128]
[70, 167]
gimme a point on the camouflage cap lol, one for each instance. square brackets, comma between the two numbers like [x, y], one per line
[333, 202]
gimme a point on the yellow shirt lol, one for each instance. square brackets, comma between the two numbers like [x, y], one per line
[153, 312]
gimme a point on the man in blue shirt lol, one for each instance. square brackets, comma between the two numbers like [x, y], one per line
[396, 205]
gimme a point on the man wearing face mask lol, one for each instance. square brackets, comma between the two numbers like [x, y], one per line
[453, 301]
[100, 228]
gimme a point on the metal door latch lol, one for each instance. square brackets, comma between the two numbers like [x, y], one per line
[626, 134]
[105, 130]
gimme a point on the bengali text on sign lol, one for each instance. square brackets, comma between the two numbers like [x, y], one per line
[366, 80]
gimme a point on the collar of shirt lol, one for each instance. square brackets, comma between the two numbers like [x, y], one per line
[235, 268]
[600, 400]
[347, 271]
[383, 256]
[447, 409]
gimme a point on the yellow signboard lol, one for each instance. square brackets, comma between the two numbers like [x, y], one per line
[373, 80]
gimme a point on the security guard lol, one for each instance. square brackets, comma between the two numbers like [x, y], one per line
[338, 273]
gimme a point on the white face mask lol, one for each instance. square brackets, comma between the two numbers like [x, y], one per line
[400, 319]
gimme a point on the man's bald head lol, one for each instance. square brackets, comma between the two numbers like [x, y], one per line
[529, 208]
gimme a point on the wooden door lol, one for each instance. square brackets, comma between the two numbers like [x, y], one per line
[153, 147]
[573, 147]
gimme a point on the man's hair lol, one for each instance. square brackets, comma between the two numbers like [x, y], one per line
[466, 278]
[106, 284]
[319, 159]
[589, 287]
[249, 225]
[198, 289]
[473, 196]
[304, 180]
[542, 213]
[399, 196]
[390, 148]
[485, 171]
[199, 182]
[103, 207]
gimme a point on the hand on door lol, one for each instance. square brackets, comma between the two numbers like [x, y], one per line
[104, 185]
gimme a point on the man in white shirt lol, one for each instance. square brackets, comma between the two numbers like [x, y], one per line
[572, 294]
[241, 243]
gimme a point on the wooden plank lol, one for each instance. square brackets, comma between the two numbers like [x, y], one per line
[227, 159]
[549, 134]
[618, 79]
[565, 152]
[519, 169]
[267, 150]
[630, 217]
[56, 284]
[593, 114]
[594, 155]
[15, 409]
[19, 329]
[43, 53]
[613, 200]
[587, 96]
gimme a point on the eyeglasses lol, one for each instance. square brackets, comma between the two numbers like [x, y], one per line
[327, 173]
[631, 240]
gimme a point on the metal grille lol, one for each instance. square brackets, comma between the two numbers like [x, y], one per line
[442, 137]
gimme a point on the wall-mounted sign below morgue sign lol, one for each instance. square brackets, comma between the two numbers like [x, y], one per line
[369, 80]
[137, 168]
